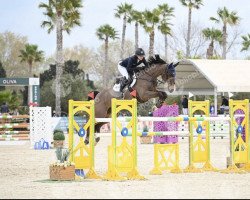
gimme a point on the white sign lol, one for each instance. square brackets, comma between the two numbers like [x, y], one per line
[34, 81]
[190, 95]
[230, 94]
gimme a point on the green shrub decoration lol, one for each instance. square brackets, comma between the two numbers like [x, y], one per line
[57, 130]
[59, 135]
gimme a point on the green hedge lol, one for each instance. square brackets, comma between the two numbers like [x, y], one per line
[58, 135]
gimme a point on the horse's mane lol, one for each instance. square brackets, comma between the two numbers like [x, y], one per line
[155, 60]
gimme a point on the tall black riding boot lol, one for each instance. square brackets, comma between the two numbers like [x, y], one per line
[124, 83]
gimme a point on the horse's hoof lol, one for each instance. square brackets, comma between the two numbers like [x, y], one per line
[158, 105]
[86, 141]
[97, 139]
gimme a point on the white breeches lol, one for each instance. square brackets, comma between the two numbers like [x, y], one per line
[185, 111]
[123, 70]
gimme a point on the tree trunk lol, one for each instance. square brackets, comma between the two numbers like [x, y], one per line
[189, 33]
[123, 36]
[30, 70]
[166, 47]
[59, 63]
[106, 63]
[30, 74]
[151, 43]
[224, 42]
[136, 35]
[210, 50]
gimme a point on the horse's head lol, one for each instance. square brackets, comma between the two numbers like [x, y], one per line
[169, 76]
[166, 71]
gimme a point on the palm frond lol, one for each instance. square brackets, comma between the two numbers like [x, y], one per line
[214, 19]
[68, 9]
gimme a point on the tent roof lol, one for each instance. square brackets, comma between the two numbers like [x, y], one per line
[203, 77]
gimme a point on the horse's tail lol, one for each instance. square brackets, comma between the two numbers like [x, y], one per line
[92, 95]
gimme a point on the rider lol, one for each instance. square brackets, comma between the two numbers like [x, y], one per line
[130, 65]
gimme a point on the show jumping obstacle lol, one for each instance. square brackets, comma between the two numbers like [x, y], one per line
[82, 155]
[123, 158]
[14, 127]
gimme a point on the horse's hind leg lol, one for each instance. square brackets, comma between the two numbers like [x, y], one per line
[86, 141]
[97, 130]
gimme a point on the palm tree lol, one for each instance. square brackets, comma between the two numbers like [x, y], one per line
[64, 15]
[105, 33]
[150, 20]
[225, 17]
[164, 27]
[165, 30]
[124, 11]
[136, 17]
[190, 4]
[245, 42]
[213, 35]
[30, 55]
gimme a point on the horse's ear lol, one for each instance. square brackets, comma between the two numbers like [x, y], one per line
[176, 64]
[170, 65]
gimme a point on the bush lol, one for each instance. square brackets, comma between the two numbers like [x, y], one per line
[57, 130]
[23, 110]
[58, 135]
[11, 98]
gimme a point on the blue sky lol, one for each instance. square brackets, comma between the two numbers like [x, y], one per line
[24, 17]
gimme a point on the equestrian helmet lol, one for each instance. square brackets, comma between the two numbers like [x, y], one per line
[139, 52]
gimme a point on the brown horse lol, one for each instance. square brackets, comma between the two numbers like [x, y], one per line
[145, 87]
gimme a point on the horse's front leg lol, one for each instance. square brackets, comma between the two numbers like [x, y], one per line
[162, 98]
[162, 95]
[149, 95]
[154, 94]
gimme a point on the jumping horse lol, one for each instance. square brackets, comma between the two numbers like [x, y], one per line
[145, 88]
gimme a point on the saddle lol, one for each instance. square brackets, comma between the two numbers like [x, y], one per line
[131, 82]
[120, 82]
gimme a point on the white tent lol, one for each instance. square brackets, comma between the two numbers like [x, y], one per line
[210, 77]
